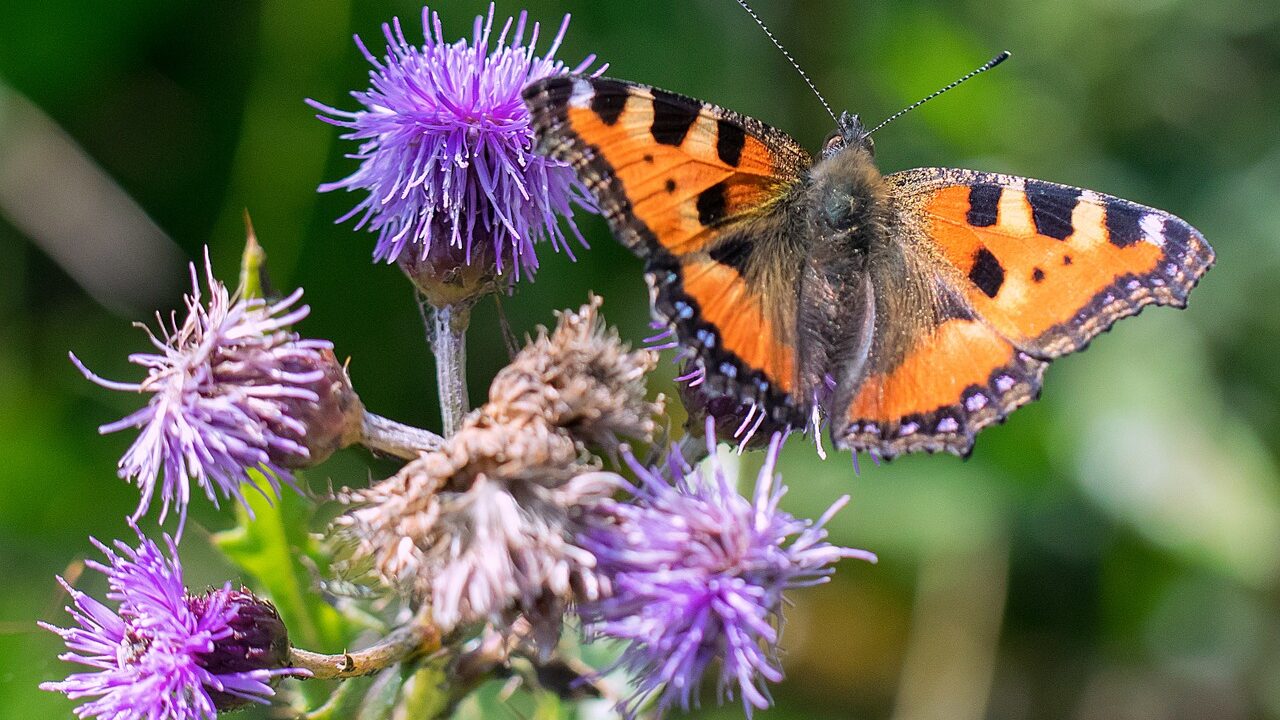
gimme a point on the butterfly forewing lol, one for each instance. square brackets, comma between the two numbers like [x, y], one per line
[1049, 266]
[668, 170]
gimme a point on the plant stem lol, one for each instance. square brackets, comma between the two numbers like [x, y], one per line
[396, 439]
[420, 637]
[449, 342]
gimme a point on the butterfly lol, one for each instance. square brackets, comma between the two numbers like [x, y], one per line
[911, 309]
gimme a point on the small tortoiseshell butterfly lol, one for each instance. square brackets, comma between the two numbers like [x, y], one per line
[913, 308]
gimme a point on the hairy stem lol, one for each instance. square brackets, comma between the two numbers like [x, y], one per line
[396, 439]
[449, 342]
[420, 637]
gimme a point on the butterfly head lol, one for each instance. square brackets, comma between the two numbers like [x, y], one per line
[849, 132]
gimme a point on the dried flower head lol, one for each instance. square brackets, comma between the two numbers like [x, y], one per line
[697, 574]
[163, 653]
[455, 189]
[484, 526]
[233, 389]
[580, 377]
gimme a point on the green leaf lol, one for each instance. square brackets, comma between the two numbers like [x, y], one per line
[549, 706]
[269, 542]
[364, 698]
[424, 693]
[272, 544]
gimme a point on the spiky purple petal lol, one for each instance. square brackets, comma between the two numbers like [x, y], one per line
[232, 388]
[698, 574]
[148, 656]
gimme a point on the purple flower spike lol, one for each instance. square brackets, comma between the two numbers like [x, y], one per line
[151, 656]
[232, 390]
[698, 573]
[447, 154]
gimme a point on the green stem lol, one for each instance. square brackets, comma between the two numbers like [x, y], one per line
[420, 637]
[396, 439]
[449, 342]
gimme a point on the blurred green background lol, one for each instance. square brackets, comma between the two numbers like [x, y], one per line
[1111, 552]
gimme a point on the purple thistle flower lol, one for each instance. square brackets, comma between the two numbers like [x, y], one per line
[447, 153]
[697, 574]
[158, 655]
[232, 390]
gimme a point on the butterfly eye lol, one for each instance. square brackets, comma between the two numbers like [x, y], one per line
[833, 143]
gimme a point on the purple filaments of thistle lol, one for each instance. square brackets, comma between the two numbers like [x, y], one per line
[228, 385]
[447, 151]
[664, 339]
[697, 574]
[150, 655]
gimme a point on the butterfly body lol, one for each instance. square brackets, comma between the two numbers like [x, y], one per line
[912, 309]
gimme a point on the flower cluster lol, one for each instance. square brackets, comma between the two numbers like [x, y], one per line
[163, 653]
[697, 574]
[484, 526]
[493, 534]
[233, 389]
[454, 188]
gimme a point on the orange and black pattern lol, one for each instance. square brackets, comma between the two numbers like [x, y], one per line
[1050, 266]
[691, 189]
[1042, 268]
[668, 170]
[934, 298]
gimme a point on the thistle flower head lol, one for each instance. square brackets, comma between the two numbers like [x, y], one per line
[697, 574]
[455, 190]
[162, 653]
[233, 389]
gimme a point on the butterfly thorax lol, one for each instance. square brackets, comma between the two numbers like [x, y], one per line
[848, 201]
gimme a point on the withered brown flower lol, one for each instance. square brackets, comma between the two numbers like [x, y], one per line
[580, 378]
[483, 527]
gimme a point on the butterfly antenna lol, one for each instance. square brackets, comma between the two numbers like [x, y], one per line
[987, 66]
[787, 55]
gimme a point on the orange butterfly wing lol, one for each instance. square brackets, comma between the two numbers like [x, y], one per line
[694, 190]
[1051, 266]
[1027, 271]
[668, 170]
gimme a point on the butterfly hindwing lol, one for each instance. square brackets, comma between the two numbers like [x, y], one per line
[697, 192]
[935, 373]
[956, 377]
